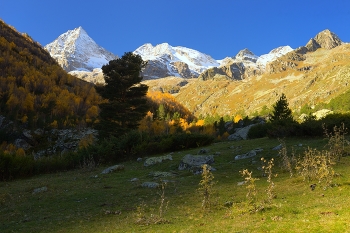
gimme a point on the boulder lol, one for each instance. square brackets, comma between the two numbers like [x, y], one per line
[279, 147]
[21, 143]
[195, 162]
[113, 168]
[241, 133]
[150, 185]
[250, 154]
[161, 174]
[155, 160]
[39, 190]
[322, 113]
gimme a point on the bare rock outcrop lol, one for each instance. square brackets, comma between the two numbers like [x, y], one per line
[183, 69]
[327, 39]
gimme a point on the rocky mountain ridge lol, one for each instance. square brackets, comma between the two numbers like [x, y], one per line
[165, 60]
[306, 76]
[79, 54]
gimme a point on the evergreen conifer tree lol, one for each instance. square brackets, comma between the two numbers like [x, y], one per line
[281, 112]
[125, 97]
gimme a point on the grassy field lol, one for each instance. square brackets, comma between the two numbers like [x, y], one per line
[87, 201]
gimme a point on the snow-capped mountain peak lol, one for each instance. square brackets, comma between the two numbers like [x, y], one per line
[246, 55]
[168, 58]
[273, 55]
[75, 50]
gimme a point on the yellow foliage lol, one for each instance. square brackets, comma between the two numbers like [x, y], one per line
[20, 152]
[10, 149]
[183, 123]
[237, 118]
[24, 119]
[200, 123]
[158, 127]
[92, 113]
[86, 141]
[225, 136]
[209, 130]
[54, 124]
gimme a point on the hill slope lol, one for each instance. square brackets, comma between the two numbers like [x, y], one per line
[305, 76]
[35, 91]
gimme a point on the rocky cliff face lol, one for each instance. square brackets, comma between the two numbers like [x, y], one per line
[75, 50]
[241, 66]
[327, 39]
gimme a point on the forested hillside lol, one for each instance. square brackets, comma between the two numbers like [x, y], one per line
[35, 90]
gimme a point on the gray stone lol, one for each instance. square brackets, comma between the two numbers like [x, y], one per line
[2, 118]
[27, 134]
[150, 185]
[279, 147]
[139, 159]
[39, 190]
[203, 151]
[113, 168]
[155, 160]
[134, 179]
[322, 113]
[161, 174]
[241, 133]
[241, 183]
[21, 143]
[192, 162]
[250, 154]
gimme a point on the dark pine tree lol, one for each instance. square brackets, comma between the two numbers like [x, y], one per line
[281, 112]
[126, 101]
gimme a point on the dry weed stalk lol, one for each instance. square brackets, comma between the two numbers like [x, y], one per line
[143, 219]
[287, 161]
[268, 171]
[206, 186]
[252, 192]
[336, 141]
[316, 166]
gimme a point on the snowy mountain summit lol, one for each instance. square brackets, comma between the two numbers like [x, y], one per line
[75, 50]
[273, 55]
[166, 60]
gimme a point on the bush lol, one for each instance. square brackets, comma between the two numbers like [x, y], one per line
[258, 131]
[13, 166]
[282, 130]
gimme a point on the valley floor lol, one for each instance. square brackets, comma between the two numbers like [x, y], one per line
[88, 201]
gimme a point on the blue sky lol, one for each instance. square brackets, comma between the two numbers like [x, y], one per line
[219, 28]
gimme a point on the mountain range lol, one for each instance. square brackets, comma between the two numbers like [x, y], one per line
[245, 82]
[79, 54]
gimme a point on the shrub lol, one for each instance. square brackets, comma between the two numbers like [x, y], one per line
[258, 131]
[15, 166]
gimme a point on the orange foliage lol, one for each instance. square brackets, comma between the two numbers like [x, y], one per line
[157, 98]
[238, 118]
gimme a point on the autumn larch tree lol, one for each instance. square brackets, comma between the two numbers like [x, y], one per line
[126, 97]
